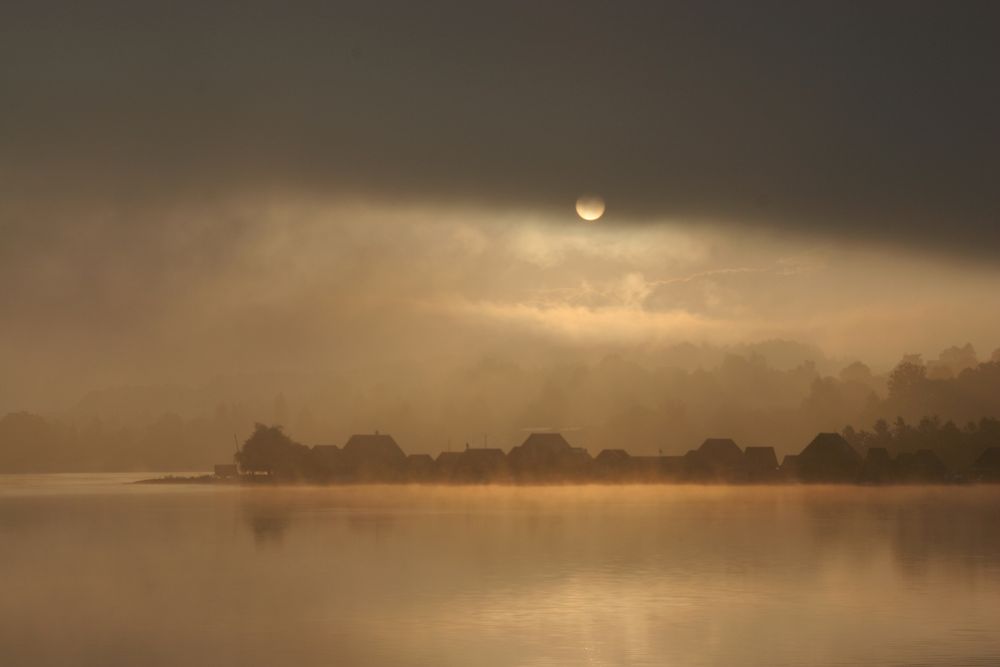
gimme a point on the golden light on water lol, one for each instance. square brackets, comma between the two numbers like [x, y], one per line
[590, 207]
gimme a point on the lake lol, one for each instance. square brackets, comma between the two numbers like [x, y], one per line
[96, 571]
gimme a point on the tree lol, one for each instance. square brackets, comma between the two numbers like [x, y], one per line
[883, 436]
[856, 372]
[906, 378]
[269, 450]
[957, 359]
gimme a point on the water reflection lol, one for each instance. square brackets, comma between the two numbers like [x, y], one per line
[501, 576]
[267, 523]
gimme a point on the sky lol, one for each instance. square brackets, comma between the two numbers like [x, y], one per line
[389, 187]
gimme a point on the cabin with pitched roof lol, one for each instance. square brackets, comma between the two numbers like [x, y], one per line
[548, 457]
[373, 458]
[716, 460]
[612, 465]
[829, 458]
[481, 466]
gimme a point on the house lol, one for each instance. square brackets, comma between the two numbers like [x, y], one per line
[480, 465]
[716, 460]
[373, 458]
[548, 457]
[761, 464]
[829, 458]
[612, 465]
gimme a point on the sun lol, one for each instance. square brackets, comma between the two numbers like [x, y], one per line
[590, 207]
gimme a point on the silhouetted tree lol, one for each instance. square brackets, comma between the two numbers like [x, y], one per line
[856, 372]
[269, 450]
[957, 359]
[906, 379]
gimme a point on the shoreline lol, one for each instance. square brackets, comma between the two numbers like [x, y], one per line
[209, 479]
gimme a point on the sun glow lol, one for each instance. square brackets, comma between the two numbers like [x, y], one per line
[590, 207]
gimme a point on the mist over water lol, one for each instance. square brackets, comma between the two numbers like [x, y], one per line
[686, 575]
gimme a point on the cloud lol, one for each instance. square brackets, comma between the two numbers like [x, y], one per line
[104, 296]
[838, 121]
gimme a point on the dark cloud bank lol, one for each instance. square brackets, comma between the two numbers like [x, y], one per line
[859, 120]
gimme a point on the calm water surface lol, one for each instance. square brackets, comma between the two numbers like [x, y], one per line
[95, 571]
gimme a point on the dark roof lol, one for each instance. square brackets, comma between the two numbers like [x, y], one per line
[483, 454]
[828, 458]
[721, 450]
[373, 445]
[612, 456]
[829, 446]
[419, 458]
[547, 455]
[546, 441]
[790, 461]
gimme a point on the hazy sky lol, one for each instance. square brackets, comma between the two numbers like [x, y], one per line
[189, 190]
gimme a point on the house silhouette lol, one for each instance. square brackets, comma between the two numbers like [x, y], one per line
[828, 458]
[548, 457]
[717, 459]
[612, 465]
[373, 458]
